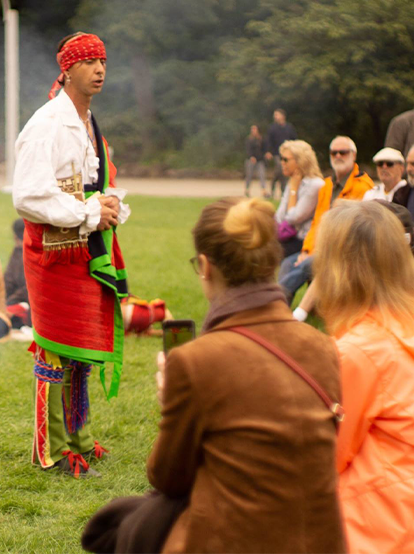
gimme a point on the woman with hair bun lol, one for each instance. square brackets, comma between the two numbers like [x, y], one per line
[297, 207]
[364, 281]
[245, 443]
[246, 438]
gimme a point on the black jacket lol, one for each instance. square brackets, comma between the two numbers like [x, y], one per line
[278, 134]
[14, 279]
[405, 197]
[254, 148]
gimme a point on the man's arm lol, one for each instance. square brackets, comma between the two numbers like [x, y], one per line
[270, 142]
[38, 198]
[293, 133]
[309, 241]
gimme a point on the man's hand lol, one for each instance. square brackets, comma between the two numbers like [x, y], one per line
[114, 203]
[301, 258]
[109, 216]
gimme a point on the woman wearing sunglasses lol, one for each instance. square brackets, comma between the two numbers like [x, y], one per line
[297, 207]
[364, 279]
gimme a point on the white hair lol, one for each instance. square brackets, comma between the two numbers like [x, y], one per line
[352, 145]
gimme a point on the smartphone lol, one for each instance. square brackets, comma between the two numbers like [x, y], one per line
[177, 332]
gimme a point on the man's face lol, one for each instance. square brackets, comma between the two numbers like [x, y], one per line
[410, 167]
[88, 76]
[342, 157]
[279, 118]
[389, 173]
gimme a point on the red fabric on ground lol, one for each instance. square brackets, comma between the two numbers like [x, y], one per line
[18, 311]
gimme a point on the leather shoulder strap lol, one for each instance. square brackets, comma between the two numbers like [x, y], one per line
[334, 407]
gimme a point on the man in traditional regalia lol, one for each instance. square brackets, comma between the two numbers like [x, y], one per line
[64, 189]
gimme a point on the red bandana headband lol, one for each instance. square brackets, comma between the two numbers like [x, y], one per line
[82, 47]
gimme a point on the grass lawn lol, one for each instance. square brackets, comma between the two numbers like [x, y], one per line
[44, 512]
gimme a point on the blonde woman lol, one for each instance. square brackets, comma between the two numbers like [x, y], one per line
[365, 288]
[243, 437]
[297, 207]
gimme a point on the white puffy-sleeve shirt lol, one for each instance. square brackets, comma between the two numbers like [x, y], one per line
[53, 143]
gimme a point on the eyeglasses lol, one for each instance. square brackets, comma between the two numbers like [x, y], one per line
[340, 152]
[285, 160]
[387, 164]
[194, 262]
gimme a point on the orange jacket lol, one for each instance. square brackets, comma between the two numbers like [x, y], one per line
[355, 187]
[375, 455]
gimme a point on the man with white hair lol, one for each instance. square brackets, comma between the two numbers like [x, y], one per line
[347, 182]
[390, 169]
[405, 195]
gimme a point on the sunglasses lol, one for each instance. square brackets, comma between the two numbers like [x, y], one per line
[387, 164]
[340, 152]
[285, 160]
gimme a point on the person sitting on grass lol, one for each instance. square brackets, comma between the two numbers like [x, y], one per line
[347, 182]
[307, 304]
[364, 278]
[243, 438]
[405, 195]
[17, 298]
[5, 323]
[297, 207]
[390, 170]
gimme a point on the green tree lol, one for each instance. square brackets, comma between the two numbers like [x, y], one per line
[167, 56]
[338, 67]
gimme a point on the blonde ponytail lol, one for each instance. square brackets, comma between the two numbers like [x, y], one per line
[238, 236]
[248, 223]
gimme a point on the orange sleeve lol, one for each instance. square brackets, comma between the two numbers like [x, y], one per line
[309, 242]
[360, 399]
[366, 183]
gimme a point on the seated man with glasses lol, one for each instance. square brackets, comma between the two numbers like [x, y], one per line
[390, 169]
[347, 182]
[405, 195]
